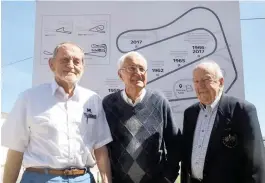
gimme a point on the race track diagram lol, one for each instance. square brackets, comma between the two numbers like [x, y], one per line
[181, 48]
[91, 32]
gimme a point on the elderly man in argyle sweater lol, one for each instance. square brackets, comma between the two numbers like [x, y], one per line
[146, 141]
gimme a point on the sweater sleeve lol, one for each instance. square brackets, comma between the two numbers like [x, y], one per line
[172, 139]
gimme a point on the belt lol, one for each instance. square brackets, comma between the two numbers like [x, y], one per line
[66, 172]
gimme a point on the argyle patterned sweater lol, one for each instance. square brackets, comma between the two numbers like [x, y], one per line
[146, 141]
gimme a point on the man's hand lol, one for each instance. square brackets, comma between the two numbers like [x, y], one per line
[103, 163]
[12, 166]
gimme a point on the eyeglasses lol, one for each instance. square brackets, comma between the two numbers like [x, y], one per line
[134, 68]
[204, 81]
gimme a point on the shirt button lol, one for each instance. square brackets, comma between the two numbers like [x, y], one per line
[206, 115]
[202, 130]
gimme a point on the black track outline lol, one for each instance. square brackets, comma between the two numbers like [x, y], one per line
[47, 52]
[63, 31]
[100, 30]
[225, 39]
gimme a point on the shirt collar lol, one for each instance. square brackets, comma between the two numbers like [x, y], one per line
[129, 101]
[56, 88]
[213, 105]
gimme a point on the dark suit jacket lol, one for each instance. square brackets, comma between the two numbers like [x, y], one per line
[235, 152]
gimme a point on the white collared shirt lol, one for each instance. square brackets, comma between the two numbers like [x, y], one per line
[53, 130]
[129, 101]
[201, 137]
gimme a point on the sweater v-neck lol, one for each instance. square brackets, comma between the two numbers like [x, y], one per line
[138, 106]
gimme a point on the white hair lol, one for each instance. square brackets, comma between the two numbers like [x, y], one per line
[131, 54]
[210, 64]
[56, 49]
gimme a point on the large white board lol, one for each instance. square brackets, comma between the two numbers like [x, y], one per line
[173, 36]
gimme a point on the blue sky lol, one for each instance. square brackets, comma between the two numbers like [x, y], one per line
[18, 26]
